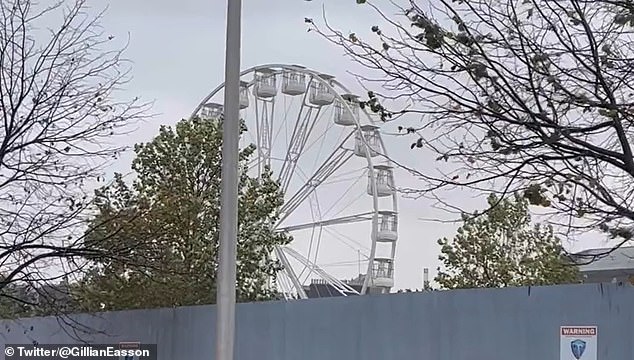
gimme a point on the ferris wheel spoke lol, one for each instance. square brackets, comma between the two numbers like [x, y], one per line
[349, 219]
[341, 287]
[320, 140]
[252, 164]
[357, 198]
[283, 130]
[269, 131]
[339, 157]
[315, 211]
[348, 241]
[287, 108]
[284, 286]
[288, 270]
[258, 146]
[294, 147]
[264, 114]
[286, 114]
[301, 132]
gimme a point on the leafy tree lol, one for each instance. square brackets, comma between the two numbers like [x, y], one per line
[531, 96]
[501, 248]
[15, 302]
[32, 299]
[59, 116]
[177, 189]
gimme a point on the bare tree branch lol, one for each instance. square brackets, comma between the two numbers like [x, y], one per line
[59, 118]
[531, 97]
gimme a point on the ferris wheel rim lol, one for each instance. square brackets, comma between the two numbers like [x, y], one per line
[330, 85]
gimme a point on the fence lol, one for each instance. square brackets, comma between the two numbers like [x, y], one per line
[479, 324]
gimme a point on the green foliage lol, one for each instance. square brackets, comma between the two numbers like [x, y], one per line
[12, 303]
[21, 300]
[169, 219]
[502, 248]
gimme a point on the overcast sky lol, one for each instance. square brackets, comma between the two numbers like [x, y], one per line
[178, 52]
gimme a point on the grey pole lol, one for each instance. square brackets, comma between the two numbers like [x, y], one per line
[226, 280]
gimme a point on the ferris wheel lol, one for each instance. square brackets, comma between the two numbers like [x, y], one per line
[327, 154]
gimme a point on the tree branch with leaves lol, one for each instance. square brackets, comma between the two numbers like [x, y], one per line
[531, 96]
[177, 187]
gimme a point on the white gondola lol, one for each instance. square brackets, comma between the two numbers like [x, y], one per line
[293, 82]
[388, 226]
[211, 111]
[265, 83]
[384, 179]
[383, 272]
[320, 94]
[347, 115]
[244, 95]
[369, 135]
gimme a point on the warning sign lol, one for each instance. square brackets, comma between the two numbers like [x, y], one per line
[578, 343]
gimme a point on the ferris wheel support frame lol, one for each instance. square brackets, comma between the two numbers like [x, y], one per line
[315, 76]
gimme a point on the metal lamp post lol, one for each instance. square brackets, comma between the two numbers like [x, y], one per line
[226, 280]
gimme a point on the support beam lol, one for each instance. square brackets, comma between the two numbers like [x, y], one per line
[329, 222]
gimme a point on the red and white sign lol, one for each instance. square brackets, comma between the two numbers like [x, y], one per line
[578, 342]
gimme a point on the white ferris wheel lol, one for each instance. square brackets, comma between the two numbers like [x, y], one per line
[340, 203]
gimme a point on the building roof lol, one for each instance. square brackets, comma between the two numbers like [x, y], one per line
[320, 288]
[619, 259]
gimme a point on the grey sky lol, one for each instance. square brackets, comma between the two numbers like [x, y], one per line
[178, 52]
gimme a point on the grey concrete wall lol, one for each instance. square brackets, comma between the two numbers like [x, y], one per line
[518, 324]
